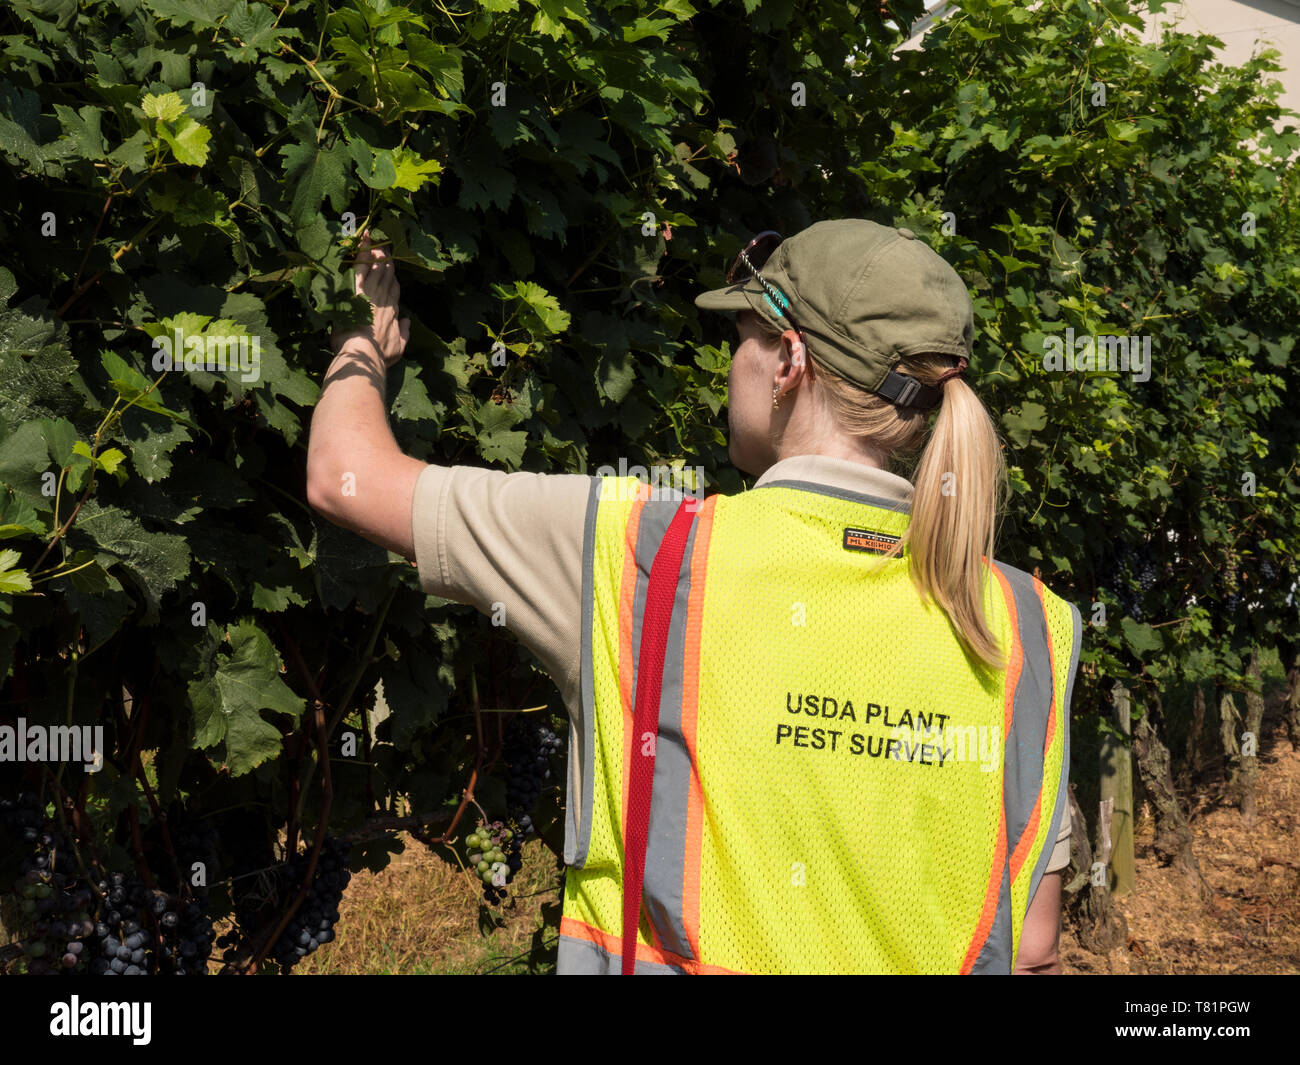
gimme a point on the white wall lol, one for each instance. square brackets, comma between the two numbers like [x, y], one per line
[1239, 24]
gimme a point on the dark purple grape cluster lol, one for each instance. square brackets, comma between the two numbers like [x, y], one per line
[61, 925]
[55, 905]
[313, 925]
[128, 944]
[1130, 577]
[187, 936]
[110, 926]
[528, 748]
[124, 946]
[1147, 573]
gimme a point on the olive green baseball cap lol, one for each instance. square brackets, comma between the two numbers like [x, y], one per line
[865, 296]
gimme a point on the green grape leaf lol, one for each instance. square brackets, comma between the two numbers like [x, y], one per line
[12, 577]
[229, 700]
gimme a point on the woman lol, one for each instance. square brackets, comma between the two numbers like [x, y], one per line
[813, 729]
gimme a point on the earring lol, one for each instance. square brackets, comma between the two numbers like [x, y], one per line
[776, 400]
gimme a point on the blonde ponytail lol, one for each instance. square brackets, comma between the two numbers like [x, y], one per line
[960, 486]
[959, 481]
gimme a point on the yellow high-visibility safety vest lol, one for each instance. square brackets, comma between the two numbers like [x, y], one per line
[835, 788]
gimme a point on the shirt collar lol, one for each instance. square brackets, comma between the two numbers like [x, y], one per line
[844, 474]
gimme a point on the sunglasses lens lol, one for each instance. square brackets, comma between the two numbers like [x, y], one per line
[757, 253]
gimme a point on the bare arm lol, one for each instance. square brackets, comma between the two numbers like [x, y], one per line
[1042, 930]
[357, 476]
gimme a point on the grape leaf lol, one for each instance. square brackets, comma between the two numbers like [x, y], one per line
[18, 518]
[228, 701]
[166, 108]
[315, 174]
[156, 560]
[12, 578]
[188, 141]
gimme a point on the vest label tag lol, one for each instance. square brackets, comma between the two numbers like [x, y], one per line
[863, 540]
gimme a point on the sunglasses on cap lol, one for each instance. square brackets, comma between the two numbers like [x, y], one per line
[748, 264]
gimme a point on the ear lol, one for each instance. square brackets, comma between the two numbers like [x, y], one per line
[798, 353]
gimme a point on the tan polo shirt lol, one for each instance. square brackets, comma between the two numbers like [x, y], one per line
[512, 543]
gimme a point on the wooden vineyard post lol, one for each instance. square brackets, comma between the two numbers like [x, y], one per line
[1117, 795]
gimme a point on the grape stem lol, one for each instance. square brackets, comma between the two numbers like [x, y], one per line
[137, 848]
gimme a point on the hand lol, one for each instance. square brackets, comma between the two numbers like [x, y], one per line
[376, 278]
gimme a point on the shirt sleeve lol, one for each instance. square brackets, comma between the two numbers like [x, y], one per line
[509, 544]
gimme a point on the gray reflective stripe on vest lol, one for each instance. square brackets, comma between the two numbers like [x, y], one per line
[995, 957]
[575, 849]
[1063, 788]
[656, 516]
[1022, 775]
[581, 957]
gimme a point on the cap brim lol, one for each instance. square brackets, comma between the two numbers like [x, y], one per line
[731, 298]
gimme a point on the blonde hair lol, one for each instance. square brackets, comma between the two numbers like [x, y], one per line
[959, 482]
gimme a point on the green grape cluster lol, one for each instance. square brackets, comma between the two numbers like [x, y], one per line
[494, 857]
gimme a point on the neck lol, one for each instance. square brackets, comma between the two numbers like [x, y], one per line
[808, 431]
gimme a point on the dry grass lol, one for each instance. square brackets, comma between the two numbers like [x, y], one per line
[421, 916]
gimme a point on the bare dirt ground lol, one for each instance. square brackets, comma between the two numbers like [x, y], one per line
[1251, 922]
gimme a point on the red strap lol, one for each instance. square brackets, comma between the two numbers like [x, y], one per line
[660, 593]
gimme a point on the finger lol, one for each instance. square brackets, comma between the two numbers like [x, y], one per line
[404, 328]
[366, 261]
[366, 276]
